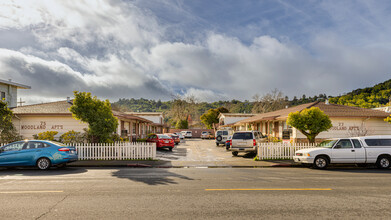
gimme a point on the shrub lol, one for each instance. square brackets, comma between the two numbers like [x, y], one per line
[72, 137]
[47, 135]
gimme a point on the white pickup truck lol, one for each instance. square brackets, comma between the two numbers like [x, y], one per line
[357, 150]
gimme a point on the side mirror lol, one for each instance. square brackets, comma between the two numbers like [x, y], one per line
[338, 146]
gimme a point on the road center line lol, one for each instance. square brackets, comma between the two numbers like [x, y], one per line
[27, 192]
[274, 189]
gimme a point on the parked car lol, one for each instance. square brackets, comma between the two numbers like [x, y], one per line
[228, 143]
[180, 135]
[188, 134]
[162, 141]
[222, 136]
[246, 141]
[205, 135]
[174, 137]
[42, 154]
[358, 150]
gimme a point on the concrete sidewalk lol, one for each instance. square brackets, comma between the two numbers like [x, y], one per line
[180, 164]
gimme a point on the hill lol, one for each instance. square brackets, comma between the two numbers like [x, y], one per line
[370, 97]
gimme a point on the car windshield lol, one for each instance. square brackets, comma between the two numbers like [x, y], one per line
[245, 136]
[162, 136]
[327, 143]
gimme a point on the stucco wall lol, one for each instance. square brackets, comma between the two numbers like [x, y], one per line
[30, 125]
[345, 127]
[10, 94]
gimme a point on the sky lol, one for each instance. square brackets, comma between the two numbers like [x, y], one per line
[209, 49]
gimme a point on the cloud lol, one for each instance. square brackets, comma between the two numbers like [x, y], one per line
[138, 49]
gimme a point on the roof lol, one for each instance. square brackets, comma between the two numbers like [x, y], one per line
[145, 113]
[62, 108]
[18, 85]
[332, 110]
[236, 115]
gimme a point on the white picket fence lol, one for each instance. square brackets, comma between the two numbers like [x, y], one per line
[280, 151]
[116, 151]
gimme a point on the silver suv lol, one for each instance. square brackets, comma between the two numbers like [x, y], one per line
[222, 136]
[246, 141]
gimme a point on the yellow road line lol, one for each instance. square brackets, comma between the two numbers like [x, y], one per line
[273, 189]
[26, 192]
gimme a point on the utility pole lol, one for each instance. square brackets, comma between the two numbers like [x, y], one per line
[21, 102]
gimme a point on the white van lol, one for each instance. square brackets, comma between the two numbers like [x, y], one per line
[357, 150]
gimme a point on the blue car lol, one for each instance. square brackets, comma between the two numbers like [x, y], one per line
[42, 154]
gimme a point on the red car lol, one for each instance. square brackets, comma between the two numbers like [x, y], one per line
[174, 137]
[162, 141]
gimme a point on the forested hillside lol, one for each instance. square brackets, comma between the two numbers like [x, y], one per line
[370, 97]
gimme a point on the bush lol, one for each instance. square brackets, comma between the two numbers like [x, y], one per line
[48, 135]
[72, 137]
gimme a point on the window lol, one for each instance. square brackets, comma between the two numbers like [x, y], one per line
[2, 95]
[356, 143]
[225, 132]
[378, 142]
[242, 135]
[33, 145]
[14, 147]
[343, 144]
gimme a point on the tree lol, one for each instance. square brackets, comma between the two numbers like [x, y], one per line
[8, 132]
[272, 101]
[211, 117]
[182, 124]
[310, 122]
[101, 122]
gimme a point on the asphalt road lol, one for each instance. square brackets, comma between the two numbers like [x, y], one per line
[215, 193]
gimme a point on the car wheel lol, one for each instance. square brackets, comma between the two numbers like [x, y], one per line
[43, 163]
[217, 144]
[321, 162]
[383, 162]
[170, 148]
[219, 138]
[235, 153]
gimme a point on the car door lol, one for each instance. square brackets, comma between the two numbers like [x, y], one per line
[359, 151]
[10, 154]
[28, 154]
[343, 152]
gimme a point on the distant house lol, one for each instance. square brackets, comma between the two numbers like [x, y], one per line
[228, 119]
[9, 91]
[55, 116]
[347, 121]
[158, 125]
[384, 109]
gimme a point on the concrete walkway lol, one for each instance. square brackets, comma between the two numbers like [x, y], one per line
[191, 153]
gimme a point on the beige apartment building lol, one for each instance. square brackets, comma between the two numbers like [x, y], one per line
[55, 116]
[347, 121]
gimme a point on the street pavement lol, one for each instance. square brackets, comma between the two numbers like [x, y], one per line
[195, 193]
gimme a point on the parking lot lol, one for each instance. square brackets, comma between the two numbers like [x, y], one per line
[200, 150]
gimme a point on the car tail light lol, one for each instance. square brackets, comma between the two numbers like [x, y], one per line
[254, 142]
[63, 149]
